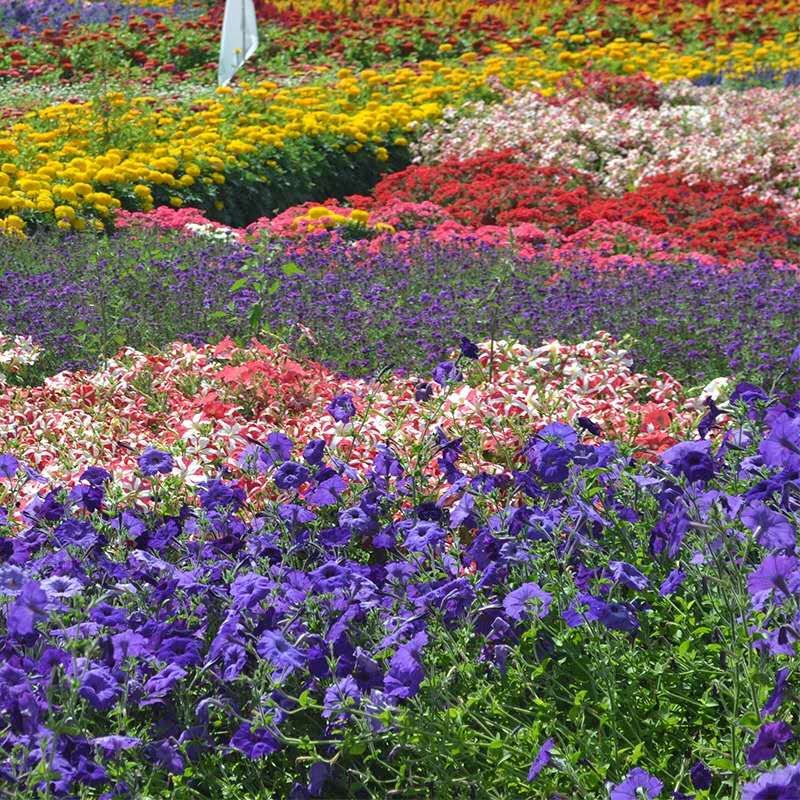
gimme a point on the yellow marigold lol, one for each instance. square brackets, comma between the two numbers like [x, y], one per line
[64, 212]
[175, 202]
[14, 223]
[317, 212]
[359, 215]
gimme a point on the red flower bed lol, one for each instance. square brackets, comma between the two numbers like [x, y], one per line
[497, 188]
[492, 188]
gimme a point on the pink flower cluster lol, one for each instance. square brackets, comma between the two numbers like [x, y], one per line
[207, 405]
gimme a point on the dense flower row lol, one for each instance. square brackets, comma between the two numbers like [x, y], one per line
[295, 615]
[207, 403]
[750, 137]
[242, 154]
[51, 37]
[362, 305]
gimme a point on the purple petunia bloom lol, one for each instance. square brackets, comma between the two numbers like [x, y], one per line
[528, 597]
[638, 784]
[342, 408]
[152, 462]
[769, 740]
[111, 746]
[273, 647]
[541, 760]
[278, 448]
[588, 425]
[690, 459]
[162, 683]
[781, 448]
[446, 372]
[8, 465]
[423, 536]
[627, 575]
[30, 607]
[100, 688]
[776, 696]
[339, 696]
[318, 774]
[254, 742]
[701, 776]
[783, 784]
[61, 587]
[291, 476]
[771, 529]
[405, 671]
[95, 476]
[774, 573]
[314, 451]
[422, 392]
[671, 582]
[468, 349]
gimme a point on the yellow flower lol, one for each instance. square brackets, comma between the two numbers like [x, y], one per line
[317, 212]
[359, 215]
[175, 202]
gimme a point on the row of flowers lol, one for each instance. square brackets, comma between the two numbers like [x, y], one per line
[55, 38]
[244, 153]
[208, 404]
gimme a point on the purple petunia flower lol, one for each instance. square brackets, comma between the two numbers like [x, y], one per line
[61, 587]
[781, 448]
[468, 349]
[422, 392]
[773, 574]
[111, 746]
[318, 774]
[314, 451]
[278, 448]
[528, 597]
[339, 696]
[671, 582]
[627, 575]
[423, 535]
[541, 760]
[291, 475]
[30, 607]
[162, 683]
[769, 740]
[8, 465]
[152, 462]
[254, 742]
[771, 529]
[100, 688]
[637, 785]
[446, 372]
[783, 784]
[273, 647]
[776, 696]
[701, 776]
[690, 459]
[95, 476]
[342, 408]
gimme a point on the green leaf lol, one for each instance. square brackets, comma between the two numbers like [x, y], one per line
[290, 269]
[238, 285]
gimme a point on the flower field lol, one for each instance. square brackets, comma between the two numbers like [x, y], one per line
[416, 416]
